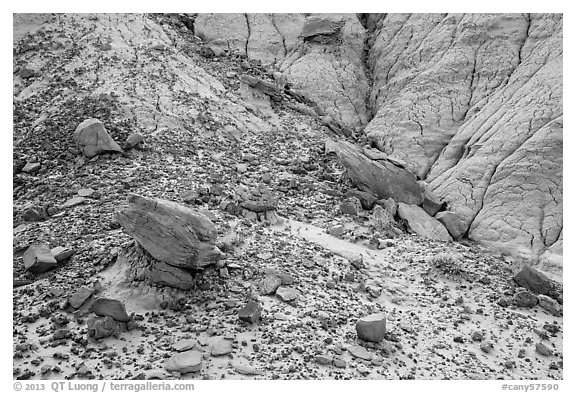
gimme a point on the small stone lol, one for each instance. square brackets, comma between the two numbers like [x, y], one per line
[322, 359]
[133, 140]
[270, 284]
[359, 352]
[339, 362]
[185, 362]
[184, 345]
[372, 327]
[459, 339]
[110, 307]
[245, 369]
[38, 259]
[86, 192]
[287, 294]
[362, 369]
[241, 168]
[336, 230]
[250, 313]
[543, 349]
[31, 167]
[221, 347]
[74, 201]
[486, 347]
[477, 336]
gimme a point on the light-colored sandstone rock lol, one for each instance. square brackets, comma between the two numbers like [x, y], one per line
[170, 232]
[185, 362]
[419, 222]
[92, 138]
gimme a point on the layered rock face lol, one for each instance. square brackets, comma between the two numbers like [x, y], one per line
[472, 103]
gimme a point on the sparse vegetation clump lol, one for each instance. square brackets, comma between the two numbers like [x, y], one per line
[448, 264]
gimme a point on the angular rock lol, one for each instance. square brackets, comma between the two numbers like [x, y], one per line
[371, 327]
[38, 259]
[389, 204]
[170, 232]
[166, 275]
[221, 347]
[185, 362]
[524, 298]
[336, 230]
[550, 305]
[270, 284]
[112, 308]
[92, 138]
[34, 213]
[268, 88]
[358, 351]
[250, 312]
[453, 223]
[61, 253]
[543, 349]
[419, 222]
[31, 167]
[382, 178]
[79, 297]
[321, 26]
[287, 294]
[184, 345]
[431, 204]
[367, 199]
[535, 281]
[74, 201]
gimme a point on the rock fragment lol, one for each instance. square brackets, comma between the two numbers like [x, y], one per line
[38, 259]
[185, 362]
[453, 223]
[112, 308]
[92, 138]
[535, 281]
[79, 297]
[250, 312]
[371, 327]
[417, 221]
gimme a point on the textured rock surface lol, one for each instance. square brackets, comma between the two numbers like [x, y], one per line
[419, 222]
[92, 138]
[472, 103]
[382, 177]
[171, 233]
[185, 362]
[163, 274]
[371, 327]
[38, 259]
[112, 308]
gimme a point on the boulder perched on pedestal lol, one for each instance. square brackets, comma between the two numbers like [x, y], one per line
[172, 233]
[371, 327]
[92, 138]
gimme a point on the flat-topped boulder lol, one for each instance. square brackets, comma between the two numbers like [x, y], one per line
[419, 222]
[92, 138]
[172, 233]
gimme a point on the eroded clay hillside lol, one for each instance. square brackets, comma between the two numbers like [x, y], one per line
[242, 196]
[471, 103]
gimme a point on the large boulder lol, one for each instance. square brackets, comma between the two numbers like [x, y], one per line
[453, 223]
[536, 281]
[38, 259]
[172, 233]
[382, 177]
[419, 222]
[112, 308]
[92, 138]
